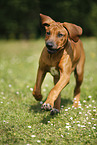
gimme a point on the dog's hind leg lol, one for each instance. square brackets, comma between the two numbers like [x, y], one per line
[79, 80]
[79, 71]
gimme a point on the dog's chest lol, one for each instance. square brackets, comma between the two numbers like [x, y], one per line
[54, 71]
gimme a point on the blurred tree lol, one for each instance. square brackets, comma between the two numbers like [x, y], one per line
[92, 20]
[20, 18]
[73, 11]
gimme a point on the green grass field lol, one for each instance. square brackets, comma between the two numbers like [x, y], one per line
[21, 119]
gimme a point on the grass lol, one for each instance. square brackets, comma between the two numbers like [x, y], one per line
[21, 119]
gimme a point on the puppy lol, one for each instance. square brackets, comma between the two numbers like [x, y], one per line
[63, 53]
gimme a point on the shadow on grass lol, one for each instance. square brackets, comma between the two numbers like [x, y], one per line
[66, 102]
[47, 118]
[37, 108]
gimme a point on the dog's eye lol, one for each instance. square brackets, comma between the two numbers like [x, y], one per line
[60, 35]
[48, 33]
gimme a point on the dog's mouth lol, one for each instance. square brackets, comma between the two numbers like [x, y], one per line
[52, 51]
[51, 47]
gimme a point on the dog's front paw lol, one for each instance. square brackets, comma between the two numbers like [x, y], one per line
[54, 111]
[46, 107]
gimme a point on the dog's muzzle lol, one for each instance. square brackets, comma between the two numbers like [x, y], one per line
[51, 47]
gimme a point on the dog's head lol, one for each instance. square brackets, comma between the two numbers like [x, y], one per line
[58, 33]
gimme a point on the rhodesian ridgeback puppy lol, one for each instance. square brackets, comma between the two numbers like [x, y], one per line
[62, 55]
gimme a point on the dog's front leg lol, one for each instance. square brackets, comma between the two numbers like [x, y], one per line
[37, 88]
[54, 93]
[65, 67]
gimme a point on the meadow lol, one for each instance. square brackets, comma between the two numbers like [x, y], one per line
[21, 119]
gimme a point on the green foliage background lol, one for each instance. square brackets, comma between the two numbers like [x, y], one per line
[20, 18]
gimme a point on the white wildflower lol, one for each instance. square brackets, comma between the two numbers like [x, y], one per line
[41, 102]
[80, 112]
[27, 86]
[74, 98]
[78, 125]
[17, 93]
[89, 97]
[48, 121]
[71, 118]
[79, 106]
[29, 126]
[31, 89]
[66, 109]
[9, 85]
[89, 135]
[67, 123]
[33, 136]
[46, 85]
[62, 136]
[2, 93]
[89, 113]
[78, 121]
[44, 90]
[68, 127]
[84, 101]
[38, 141]
[94, 127]
[83, 126]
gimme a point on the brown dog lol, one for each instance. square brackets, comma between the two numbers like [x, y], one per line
[62, 55]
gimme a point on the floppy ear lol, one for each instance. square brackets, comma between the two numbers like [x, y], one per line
[74, 31]
[46, 20]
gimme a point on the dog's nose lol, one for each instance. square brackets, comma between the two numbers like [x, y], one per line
[49, 44]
